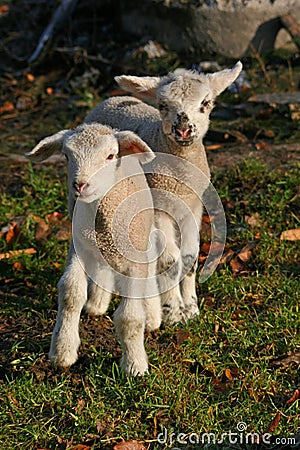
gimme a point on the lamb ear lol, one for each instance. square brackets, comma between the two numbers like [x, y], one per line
[219, 81]
[131, 144]
[47, 146]
[144, 88]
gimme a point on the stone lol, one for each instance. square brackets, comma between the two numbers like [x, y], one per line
[209, 27]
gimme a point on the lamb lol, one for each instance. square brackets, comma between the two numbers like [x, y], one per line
[109, 248]
[184, 101]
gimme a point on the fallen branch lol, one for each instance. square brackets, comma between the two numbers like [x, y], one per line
[61, 14]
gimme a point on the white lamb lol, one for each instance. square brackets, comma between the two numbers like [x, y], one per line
[110, 240]
[184, 100]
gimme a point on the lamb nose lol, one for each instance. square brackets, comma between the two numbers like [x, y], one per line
[184, 133]
[80, 187]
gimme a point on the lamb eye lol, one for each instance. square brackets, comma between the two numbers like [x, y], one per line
[111, 156]
[163, 107]
[66, 156]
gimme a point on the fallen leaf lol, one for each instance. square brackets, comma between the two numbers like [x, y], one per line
[274, 424]
[54, 217]
[65, 231]
[291, 235]
[129, 445]
[294, 397]
[56, 265]
[18, 266]
[206, 219]
[42, 231]
[81, 447]
[12, 233]
[100, 428]
[80, 406]
[219, 385]
[4, 9]
[226, 256]
[228, 374]
[49, 90]
[216, 248]
[261, 145]
[253, 220]
[8, 106]
[202, 258]
[205, 247]
[237, 266]
[293, 357]
[13, 253]
[246, 252]
[181, 336]
[29, 77]
[213, 146]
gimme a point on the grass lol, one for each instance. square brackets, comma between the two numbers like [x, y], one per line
[205, 377]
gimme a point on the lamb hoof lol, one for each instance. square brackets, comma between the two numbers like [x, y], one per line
[134, 368]
[64, 353]
[191, 311]
[171, 316]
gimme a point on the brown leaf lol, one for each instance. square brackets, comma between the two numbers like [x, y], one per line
[129, 445]
[219, 385]
[181, 336]
[290, 235]
[65, 231]
[213, 146]
[81, 447]
[18, 266]
[274, 424]
[246, 252]
[80, 406]
[205, 247]
[7, 107]
[4, 9]
[293, 357]
[228, 374]
[206, 219]
[261, 145]
[12, 233]
[100, 427]
[253, 221]
[237, 266]
[13, 253]
[216, 248]
[42, 231]
[29, 77]
[54, 217]
[294, 397]
[226, 256]
[202, 258]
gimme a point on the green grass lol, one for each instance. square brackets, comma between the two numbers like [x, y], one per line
[205, 377]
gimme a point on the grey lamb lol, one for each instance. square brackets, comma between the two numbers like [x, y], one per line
[101, 227]
[184, 101]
